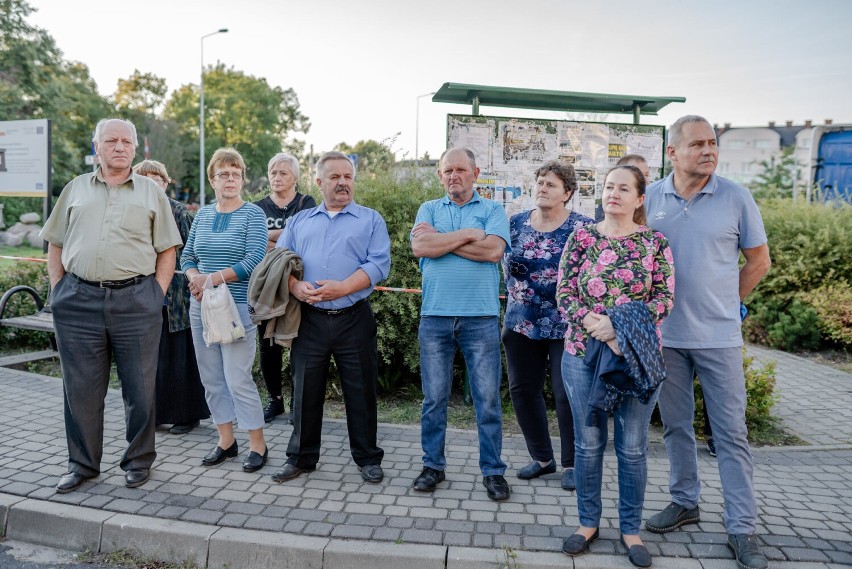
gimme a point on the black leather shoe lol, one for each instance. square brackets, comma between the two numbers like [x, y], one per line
[672, 517]
[428, 479]
[576, 544]
[534, 470]
[747, 552]
[289, 472]
[255, 461]
[70, 482]
[136, 477]
[183, 428]
[637, 554]
[497, 487]
[568, 479]
[372, 473]
[274, 408]
[218, 455]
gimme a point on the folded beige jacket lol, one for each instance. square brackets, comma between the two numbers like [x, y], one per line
[269, 296]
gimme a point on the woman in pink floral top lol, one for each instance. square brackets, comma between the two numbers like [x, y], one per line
[617, 261]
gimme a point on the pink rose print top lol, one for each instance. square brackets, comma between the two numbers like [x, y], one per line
[597, 272]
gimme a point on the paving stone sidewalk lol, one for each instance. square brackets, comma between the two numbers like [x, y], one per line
[804, 494]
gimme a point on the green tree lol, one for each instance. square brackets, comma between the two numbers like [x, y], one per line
[776, 178]
[373, 156]
[240, 111]
[36, 82]
[141, 94]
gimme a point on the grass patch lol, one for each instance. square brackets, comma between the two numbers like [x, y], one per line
[131, 560]
[23, 251]
[770, 433]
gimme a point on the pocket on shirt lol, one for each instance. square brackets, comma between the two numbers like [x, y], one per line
[136, 219]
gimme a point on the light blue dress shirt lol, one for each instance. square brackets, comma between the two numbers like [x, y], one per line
[334, 247]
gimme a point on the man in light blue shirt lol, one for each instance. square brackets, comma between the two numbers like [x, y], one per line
[708, 221]
[345, 250]
[460, 240]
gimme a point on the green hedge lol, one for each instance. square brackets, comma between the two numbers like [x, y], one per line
[804, 300]
[34, 275]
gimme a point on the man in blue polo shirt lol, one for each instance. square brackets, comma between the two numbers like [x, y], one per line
[708, 221]
[460, 240]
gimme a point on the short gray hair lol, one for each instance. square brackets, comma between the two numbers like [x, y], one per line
[676, 129]
[333, 155]
[96, 136]
[466, 150]
[284, 157]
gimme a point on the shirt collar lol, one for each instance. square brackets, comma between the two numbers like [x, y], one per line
[98, 175]
[351, 208]
[475, 198]
[709, 187]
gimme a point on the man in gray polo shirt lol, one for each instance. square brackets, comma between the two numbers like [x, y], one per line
[708, 221]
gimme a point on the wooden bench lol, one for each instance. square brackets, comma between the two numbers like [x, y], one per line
[41, 321]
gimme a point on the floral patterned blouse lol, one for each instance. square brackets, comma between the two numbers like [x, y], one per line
[530, 271]
[597, 272]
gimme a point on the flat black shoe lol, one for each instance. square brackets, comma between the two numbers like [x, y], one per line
[289, 472]
[273, 408]
[672, 517]
[534, 470]
[255, 461]
[136, 477]
[70, 482]
[183, 428]
[496, 487]
[747, 552]
[576, 544]
[428, 479]
[372, 473]
[218, 455]
[637, 554]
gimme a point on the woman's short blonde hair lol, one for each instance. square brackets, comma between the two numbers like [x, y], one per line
[147, 167]
[226, 157]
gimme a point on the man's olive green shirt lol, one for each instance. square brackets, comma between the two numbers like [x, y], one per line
[111, 233]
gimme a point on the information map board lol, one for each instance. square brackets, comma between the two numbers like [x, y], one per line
[509, 150]
[25, 158]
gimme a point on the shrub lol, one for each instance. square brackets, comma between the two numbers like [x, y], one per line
[833, 306]
[398, 314]
[30, 274]
[809, 245]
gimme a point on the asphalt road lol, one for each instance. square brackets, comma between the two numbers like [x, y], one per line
[20, 555]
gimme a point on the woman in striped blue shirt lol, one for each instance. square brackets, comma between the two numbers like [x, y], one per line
[227, 241]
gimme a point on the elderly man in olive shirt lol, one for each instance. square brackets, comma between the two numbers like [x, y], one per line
[111, 255]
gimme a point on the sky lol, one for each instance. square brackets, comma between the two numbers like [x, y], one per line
[359, 67]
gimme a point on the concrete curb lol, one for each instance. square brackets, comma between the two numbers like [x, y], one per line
[78, 528]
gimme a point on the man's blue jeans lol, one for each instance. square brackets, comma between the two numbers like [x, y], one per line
[478, 338]
[631, 449]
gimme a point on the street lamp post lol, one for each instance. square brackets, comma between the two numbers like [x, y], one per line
[201, 183]
[417, 127]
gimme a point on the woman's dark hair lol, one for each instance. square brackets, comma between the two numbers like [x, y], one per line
[564, 172]
[639, 178]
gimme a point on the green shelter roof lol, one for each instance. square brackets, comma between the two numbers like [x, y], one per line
[544, 99]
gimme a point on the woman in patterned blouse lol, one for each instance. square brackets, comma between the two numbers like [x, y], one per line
[533, 329]
[617, 261]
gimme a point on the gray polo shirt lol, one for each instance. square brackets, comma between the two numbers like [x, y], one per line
[706, 234]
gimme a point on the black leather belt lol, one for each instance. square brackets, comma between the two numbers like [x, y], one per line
[334, 311]
[112, 284]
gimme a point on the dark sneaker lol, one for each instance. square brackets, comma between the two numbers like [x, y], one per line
[496, 487]
[568, 479]
[711, 446]
[534, 470]
[428, 479]
[274, 408]
[746, 551]
[672, 518]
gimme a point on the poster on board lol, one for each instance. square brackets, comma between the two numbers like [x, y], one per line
[25, 158]
[509, 150]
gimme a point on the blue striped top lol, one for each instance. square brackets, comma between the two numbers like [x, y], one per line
[235, 240]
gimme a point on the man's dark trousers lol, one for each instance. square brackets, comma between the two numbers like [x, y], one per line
[93, 325]
[351, 338]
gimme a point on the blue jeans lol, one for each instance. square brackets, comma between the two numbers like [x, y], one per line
[479, 340]
[631, 448]
[720, 371]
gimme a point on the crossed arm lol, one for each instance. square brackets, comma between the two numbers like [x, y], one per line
[472, 244]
